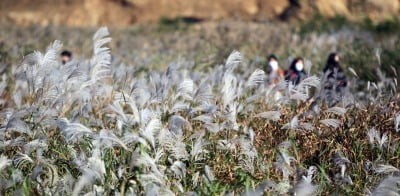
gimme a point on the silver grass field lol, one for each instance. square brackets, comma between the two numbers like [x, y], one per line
[96, 126]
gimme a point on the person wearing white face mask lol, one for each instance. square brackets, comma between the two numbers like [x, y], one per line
[296, 71]
[276, 73]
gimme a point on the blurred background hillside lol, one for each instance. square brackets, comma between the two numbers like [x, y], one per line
[127, 12]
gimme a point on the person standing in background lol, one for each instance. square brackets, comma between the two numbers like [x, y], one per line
[276, 74]
[296, 71]
[66, 56]
[335, 81]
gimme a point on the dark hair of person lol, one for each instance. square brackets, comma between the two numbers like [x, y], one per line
[331, 62]
[293, 64]
[272, 56]
[66, 53]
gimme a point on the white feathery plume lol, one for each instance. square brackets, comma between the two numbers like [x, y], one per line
[49, 58]
[178, 150]
[185, 89]
[16, 124]
[336, 110]
[330, 122]
[204, 118]
[180, 106]
[385, 169]
[135, 110]
[195, 179]
[209, 173]
[133, 138]
[203, 93]
[3, 84]
[230, 116]
[35, 144]
[173, 144]
[212, 127]
[388, 186]
[206, 107]
[248, 152]
[19, 141]
[33, 59]
[234, 59]
[179, 186]
[306, 126]
[305, 186]
[100, 33]
[117, 108]
[300, 92]
[270, 115]
[375, 137]
[341, 161]
[283, 163]
[4, 162]
[22, 159]
[144, 160]
[108, 139]
[296, 94]
[353, 71]
[198, 134]
[198, 148]
[146, 115]
[229, 89]
[310, 172]
[17, 98]
[397, 122]
[150, 178]
[94, 170]
[284, 160]
[51, 53]
[101, 60]
[251, 135]
[260, 189]
[179, 169]
[176, 124]
[312, 81]
[282, 85]
[151, 188]
[256, 78]
[150, 130]
[228, 145]
[378, 52]
[383, 139]
[373, 134]
[375, 86]
[73, 131]
[293, 124]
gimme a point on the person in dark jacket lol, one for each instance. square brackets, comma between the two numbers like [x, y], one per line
[296, 71]
[335, 81]
[334, 71]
